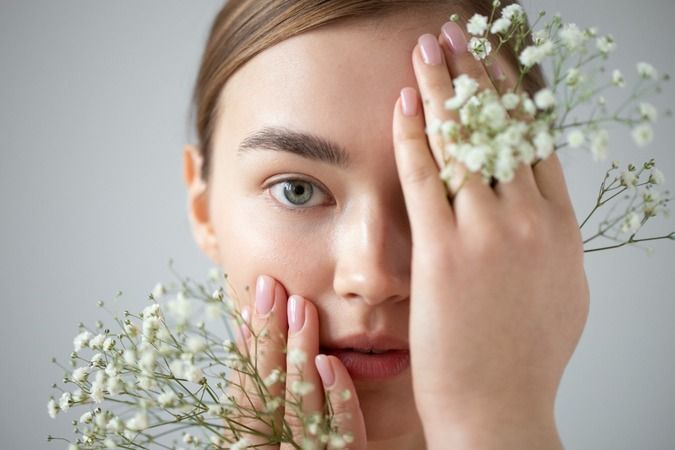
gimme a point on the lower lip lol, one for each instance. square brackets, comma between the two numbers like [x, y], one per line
[364, 366]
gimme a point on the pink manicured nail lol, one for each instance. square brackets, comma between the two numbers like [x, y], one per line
[409, 101]
[455, 37]
[296, 313]
[325, 370]
[264, 298]
[431, 51]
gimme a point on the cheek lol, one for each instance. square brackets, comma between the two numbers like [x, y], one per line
[255, 238]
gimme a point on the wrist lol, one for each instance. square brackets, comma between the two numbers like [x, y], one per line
[512, 430]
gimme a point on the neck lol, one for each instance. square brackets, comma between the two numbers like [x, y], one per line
[413, 441]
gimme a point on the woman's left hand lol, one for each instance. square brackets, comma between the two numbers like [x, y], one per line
[499, 296]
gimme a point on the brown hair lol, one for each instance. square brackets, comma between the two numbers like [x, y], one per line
[244, 28]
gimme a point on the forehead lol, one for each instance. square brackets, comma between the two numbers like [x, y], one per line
[339, 81]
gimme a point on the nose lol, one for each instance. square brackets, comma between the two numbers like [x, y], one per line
[372, 251]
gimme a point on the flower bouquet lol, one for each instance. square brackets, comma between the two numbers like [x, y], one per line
[162, 378]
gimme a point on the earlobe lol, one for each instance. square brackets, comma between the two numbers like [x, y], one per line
[197, 203]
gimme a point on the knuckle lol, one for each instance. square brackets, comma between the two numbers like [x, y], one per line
[418, 175]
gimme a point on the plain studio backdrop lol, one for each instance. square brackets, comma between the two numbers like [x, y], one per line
[94, 100]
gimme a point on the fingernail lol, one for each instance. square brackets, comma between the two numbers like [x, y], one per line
[409, 101]
[264, 298]
[455, 37]
[296, 313]
[246, 315]
[325, 370]
[431, 51]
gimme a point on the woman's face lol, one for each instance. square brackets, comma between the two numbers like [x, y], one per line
[340, 236]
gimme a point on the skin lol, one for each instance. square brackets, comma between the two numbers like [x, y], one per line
[508, 328]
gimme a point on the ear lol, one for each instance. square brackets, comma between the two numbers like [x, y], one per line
[197, 203]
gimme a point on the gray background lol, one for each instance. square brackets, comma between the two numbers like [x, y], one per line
[94, 101]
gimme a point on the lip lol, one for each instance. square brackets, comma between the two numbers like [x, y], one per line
[367, 341]
[362, 366]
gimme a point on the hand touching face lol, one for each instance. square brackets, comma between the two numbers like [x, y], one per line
[499, 296]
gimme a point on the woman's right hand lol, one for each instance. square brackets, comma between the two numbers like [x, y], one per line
[292, 323]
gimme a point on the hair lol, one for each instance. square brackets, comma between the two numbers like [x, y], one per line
[244, 28]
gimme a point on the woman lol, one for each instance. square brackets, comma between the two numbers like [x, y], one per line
[314, 179]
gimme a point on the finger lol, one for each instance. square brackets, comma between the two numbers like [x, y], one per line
[500, 77]
[266, 350]
[435, 85]
[304, 396]
[343, 403]
[550, 178]
[424, 192]
[459, 59]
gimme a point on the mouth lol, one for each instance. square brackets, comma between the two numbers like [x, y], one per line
[370, 357]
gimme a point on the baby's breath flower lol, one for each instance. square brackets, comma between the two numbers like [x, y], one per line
[158, 291]
[544, 144]
[500, 25]
[599, 144]
[151, 311]
[196, 344]
[52, 408]
[272, 378]
[65, 401]
[129, 356]
[528, 105]
[534, 54]
[80, 374]
[573, 77]
[180, 308]
[97, 342]
[87, 417]
[631, 223]
[575, 138]
[301, 388]
[194, 373]
[345, 395]
[465, 87]
[628, 178]
[656, 176]
[297, 356]
[571, 36]
[479, 47]
[647, 71]
[131, 330]
[512, 12]
[82, 340]
[241, 444]
[97, 360]
[510, 100]
[115, 425]
[648, 112]
[139, 422]
[167, 399]
[115, 385]
[617, 78]
[642, 134]
[477, 25]
[544, 99]
[605, 44]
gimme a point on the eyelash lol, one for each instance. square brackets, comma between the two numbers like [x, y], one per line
[295, 209]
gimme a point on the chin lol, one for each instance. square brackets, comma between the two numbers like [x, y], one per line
[389, 409]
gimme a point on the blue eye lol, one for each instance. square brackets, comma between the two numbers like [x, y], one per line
[295, 192]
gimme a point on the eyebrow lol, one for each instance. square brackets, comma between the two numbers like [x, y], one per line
[307, 145]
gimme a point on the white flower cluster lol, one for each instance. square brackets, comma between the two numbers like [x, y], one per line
[488, 137]
[492, 133]
[163, 369]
